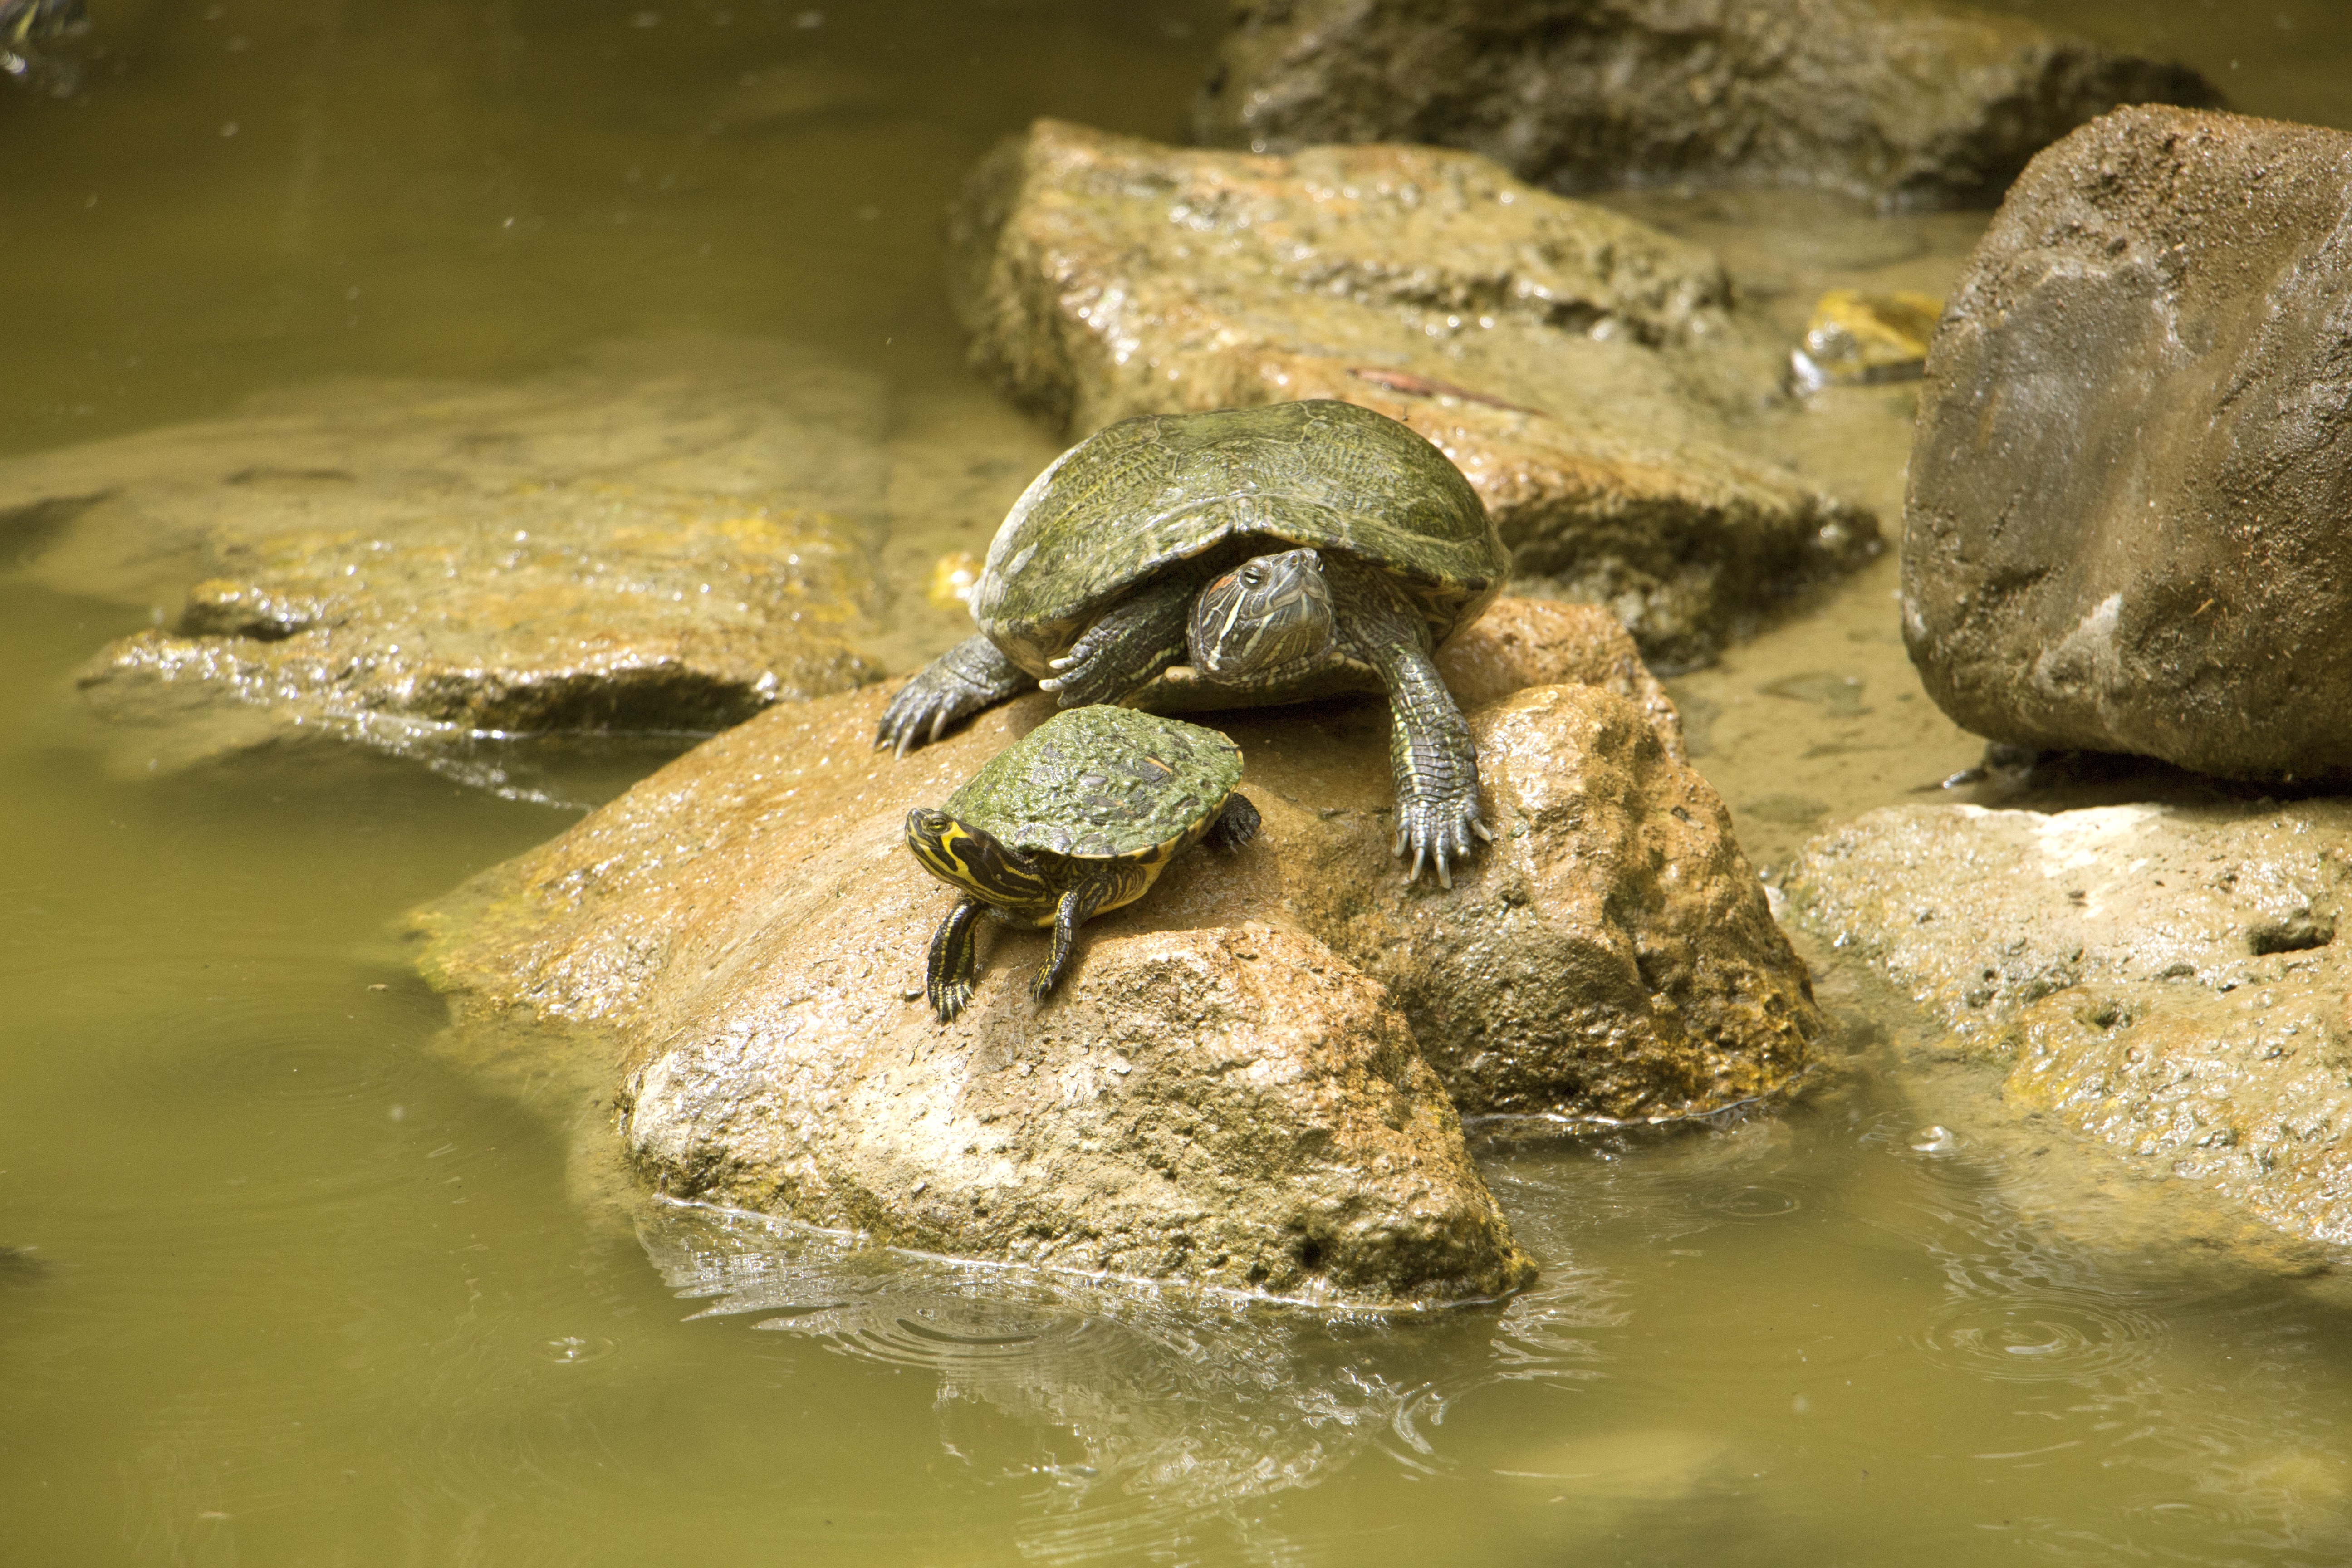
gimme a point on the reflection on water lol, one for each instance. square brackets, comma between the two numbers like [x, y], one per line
[280, 1283]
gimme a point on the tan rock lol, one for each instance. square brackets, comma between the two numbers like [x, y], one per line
[657, 539]
[1588, 373]
[2167, 981]
[1518, 643]
[579, 608]
[1227, 1091]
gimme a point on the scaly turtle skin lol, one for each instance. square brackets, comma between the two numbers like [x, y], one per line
[1078, 816]
[1247, 555]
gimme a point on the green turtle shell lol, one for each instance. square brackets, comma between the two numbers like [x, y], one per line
[1140, 495]
[1100, 783]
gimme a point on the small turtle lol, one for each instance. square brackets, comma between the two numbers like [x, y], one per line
[1288, 552]
[1078, 816]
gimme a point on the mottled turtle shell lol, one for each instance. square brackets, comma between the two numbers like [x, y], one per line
[1137, 496]
[1101, 783]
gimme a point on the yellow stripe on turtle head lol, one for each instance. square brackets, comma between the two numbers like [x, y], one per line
[966, 857]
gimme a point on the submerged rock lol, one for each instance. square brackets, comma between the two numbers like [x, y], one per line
[655, 540]
[1232, 1088]
[1908, 103]
[2167, 981]
[2126, 525]
[1588, 373]
[564, 608]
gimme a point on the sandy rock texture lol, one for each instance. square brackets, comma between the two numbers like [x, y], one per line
[2169, 981]
[1590, 375]
[1905, 102]
[1235, 1085]
[667, 537]
[2126, 525]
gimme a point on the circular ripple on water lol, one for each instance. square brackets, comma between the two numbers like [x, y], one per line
[2044, 1334]
[958, 1336]
[1754, 1200]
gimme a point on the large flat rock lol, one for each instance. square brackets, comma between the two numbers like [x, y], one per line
[1250, 1078]
[2169, 982]
[665, 538]
[1904, 102]
[2125, 526]
[1590, 375]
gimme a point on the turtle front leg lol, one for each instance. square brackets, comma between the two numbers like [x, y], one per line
[948, 980]
[1076, 907]
[1132, 642]
[1429, 750]
[969, 677]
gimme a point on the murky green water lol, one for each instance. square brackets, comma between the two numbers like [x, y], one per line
[298, 1291]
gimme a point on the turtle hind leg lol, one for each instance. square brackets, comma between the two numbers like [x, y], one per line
[1076, 908]
[948, 979]
[969, 677]
[1236, 825]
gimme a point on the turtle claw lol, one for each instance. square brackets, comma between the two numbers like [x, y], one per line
[1440, 836]
[949, 999]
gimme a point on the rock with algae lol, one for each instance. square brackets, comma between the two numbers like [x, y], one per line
[1244, 1081]
[1589, 373]
[593, 607]
[656, 537]
[2169, 982]
[1909, 103]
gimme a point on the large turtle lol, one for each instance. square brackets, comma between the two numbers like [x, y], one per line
[1078, 816]
[1247, 555]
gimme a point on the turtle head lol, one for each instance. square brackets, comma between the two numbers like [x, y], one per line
[970, 859]
[1266, 615]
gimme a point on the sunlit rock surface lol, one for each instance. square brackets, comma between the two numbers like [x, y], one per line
[1234, 1084]
[2125, 529]
[659, 540]
[1587, 371]
[2169, 981]
[588, 607]
[1908, 103]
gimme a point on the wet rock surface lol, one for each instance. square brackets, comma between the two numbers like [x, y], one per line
[2168, 981]
[1589, 373]
[662, 539]
[1905, 102]
[1235, 1086]
[586, 609]
[2125, 529]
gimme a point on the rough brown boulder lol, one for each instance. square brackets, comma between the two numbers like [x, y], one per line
[1589, 373]
[1232, 1086]
[1905, 102]
[2168, 981]
[2126, 525]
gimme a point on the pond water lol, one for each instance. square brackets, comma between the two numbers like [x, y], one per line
[281, 1283]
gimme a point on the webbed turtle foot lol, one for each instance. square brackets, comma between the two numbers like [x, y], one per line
[1440, 834]
[1048, 975]
[968, 677]
[948, 998]
[1084, 677]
